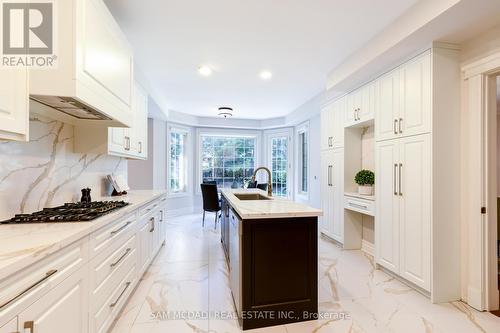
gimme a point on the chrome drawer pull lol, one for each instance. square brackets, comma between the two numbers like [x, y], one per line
[112, 305]
[47, 275]
[121, 258]
[357, 206]
[114, 232]
[153, 227]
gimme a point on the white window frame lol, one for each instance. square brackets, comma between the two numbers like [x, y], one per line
[279, 133]
[302, 195]
[187, 152]
[200, 132]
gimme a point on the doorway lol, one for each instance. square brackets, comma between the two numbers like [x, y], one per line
[497, 112]
[479, 187]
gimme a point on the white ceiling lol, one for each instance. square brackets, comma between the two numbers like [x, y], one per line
[298, 41]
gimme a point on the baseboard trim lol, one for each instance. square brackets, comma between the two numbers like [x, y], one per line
[179, 212]
[368, 247]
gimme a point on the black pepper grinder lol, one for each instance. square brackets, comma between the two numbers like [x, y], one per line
[86, 195]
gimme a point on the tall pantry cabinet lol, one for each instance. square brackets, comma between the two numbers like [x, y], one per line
[332, 170]
[417, 158]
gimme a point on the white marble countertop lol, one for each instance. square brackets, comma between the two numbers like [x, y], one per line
[273, 208]
[24, 244]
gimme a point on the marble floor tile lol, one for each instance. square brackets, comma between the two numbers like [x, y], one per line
[190, 275]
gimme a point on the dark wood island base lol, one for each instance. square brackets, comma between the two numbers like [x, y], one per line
[273, 265]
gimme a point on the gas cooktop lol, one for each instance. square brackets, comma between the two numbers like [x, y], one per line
[70, 212]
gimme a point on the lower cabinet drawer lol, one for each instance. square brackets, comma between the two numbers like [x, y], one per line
[107, 262]
[359, 205]
[24, 288]
[102, 317]
[106, 274]
[105, 236]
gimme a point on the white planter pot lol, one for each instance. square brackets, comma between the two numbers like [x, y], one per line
[365, 190]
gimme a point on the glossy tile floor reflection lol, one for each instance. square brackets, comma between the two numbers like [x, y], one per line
[190, 274]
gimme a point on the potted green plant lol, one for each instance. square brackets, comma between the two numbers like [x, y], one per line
[365, 180]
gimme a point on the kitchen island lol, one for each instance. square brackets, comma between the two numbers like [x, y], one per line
[271, 248]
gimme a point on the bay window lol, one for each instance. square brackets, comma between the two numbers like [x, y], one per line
[228, 160]
[177, 160]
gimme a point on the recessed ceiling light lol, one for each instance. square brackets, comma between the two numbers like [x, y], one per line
[205, 70]
[266, 75]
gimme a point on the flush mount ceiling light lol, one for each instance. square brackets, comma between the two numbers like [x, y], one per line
[225, 112]
[205, 70]
[266, 75]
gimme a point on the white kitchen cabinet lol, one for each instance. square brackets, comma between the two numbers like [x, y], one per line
[332, 185]
[132, 142]
[327, 127]
[416, 107]
[140, 129]
[404, 105]
[326, 192]
[415, 209]
[360, 105]
[14, 105]
[338, 195]
[95, 68]
[118, 141]
[10, 327]
[146, 244]
[387, 207]
[64, 308]
[388, 104]
[332, 125]
[403, 217]
[338, 122]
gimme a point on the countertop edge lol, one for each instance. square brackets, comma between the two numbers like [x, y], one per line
[255, 216]
[43, 251]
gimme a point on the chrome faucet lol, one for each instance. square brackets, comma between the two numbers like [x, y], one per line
[269, 179]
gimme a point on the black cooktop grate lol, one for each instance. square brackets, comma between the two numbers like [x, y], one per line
[70, 212]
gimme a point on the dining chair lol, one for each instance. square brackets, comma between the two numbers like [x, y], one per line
[211, 201]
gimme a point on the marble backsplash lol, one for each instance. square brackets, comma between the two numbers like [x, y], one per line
[45, 172]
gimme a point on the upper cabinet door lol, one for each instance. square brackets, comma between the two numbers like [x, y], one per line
[141, 128]
[326, 127]
[387, 207]
[387, 106]
[118, 140]
[415, 209]
[366, 109]
[107, 57]
[353, 103]
[338, 123]
[416, 108]
[14, 105]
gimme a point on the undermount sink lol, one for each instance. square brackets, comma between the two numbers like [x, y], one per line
[251, 196]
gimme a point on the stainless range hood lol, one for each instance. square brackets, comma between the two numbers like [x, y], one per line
[71, 107]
